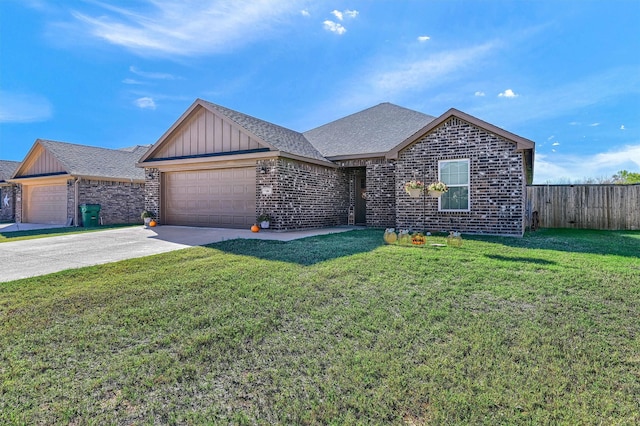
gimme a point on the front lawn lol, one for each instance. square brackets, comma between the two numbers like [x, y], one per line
[11, 236]
[336, 329]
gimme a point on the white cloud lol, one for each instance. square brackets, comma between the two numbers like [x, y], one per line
[622, 127]
[594, 124]
[555, 144]
[24, 108]
[508, 94]
[551, 137]
[132, 81]
[564, 100]
[334, 27]
[351, 13]
[145, 103]
[479, 93]
[579, 167]
[169, 28]
[422, 39]
[410, 75]
[348, 13]
[305, 12]
[153, 75]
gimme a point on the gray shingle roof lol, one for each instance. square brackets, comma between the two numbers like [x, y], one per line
[279, 137]
[7, 169]
[82, 160]
[374, 130]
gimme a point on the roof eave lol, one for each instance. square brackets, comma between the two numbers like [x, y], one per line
[356, 156]
[39, 178]
[317, 161]
[252, 156]
[28, 179]
[109, 178]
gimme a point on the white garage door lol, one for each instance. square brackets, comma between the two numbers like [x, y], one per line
[46, 204]
[224, 198]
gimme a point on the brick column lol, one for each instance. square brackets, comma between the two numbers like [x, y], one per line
[152, 192]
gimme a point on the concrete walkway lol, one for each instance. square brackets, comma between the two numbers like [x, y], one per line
[11, 227]
[29, 258]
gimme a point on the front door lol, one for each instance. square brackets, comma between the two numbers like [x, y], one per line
[361, 200]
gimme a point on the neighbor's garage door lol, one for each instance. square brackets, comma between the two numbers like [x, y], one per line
[46, 204]
[224, 198]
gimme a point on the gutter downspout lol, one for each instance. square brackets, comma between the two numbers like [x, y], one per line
[76, 196]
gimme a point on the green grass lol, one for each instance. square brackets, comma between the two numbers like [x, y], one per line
[336, 329]
[6, 237]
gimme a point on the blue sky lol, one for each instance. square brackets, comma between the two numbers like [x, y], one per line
[565, 74]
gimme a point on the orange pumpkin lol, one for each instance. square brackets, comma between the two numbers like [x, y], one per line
[255, 228]
[418, 239]
[153, 223]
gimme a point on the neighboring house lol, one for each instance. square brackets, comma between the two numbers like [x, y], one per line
[219, 167]
[7, 191]
[56, 178]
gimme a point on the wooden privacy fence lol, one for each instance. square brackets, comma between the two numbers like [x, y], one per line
[586, 206]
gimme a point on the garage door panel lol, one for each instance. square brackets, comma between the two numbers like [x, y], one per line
[46, 204]
[217, 198]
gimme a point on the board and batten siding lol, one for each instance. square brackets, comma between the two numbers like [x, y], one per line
[206, 133]
[44, 163]
[607, 207]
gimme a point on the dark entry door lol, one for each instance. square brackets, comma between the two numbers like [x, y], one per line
[361, 200]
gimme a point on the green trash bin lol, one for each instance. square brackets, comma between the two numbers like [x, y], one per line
[90, 215]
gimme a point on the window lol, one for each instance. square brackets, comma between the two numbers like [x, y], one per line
[454, 173]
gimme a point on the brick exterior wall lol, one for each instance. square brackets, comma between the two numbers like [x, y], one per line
[120, 202]
[381, 195]
[7, 213]
[300, 195]
[497, 182]
[18, 199]
[71, 199]
[152, 192]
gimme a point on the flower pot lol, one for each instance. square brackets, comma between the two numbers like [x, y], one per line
[390, 236]
[264, 224]
[454, 239]
[435, 194]
[147, 220]
[414, 193]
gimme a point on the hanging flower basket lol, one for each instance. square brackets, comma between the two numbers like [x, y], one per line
[436, 189]
[414, 188]
[414, 193]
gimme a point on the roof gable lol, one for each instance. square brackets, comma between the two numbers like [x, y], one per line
[373, 131]
[40, 162]
[521, 143]
[54, 158]
[207, 129]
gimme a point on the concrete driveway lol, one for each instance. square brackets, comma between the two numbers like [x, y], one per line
[29, 258]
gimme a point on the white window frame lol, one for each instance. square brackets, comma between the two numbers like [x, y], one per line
[467, 185]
